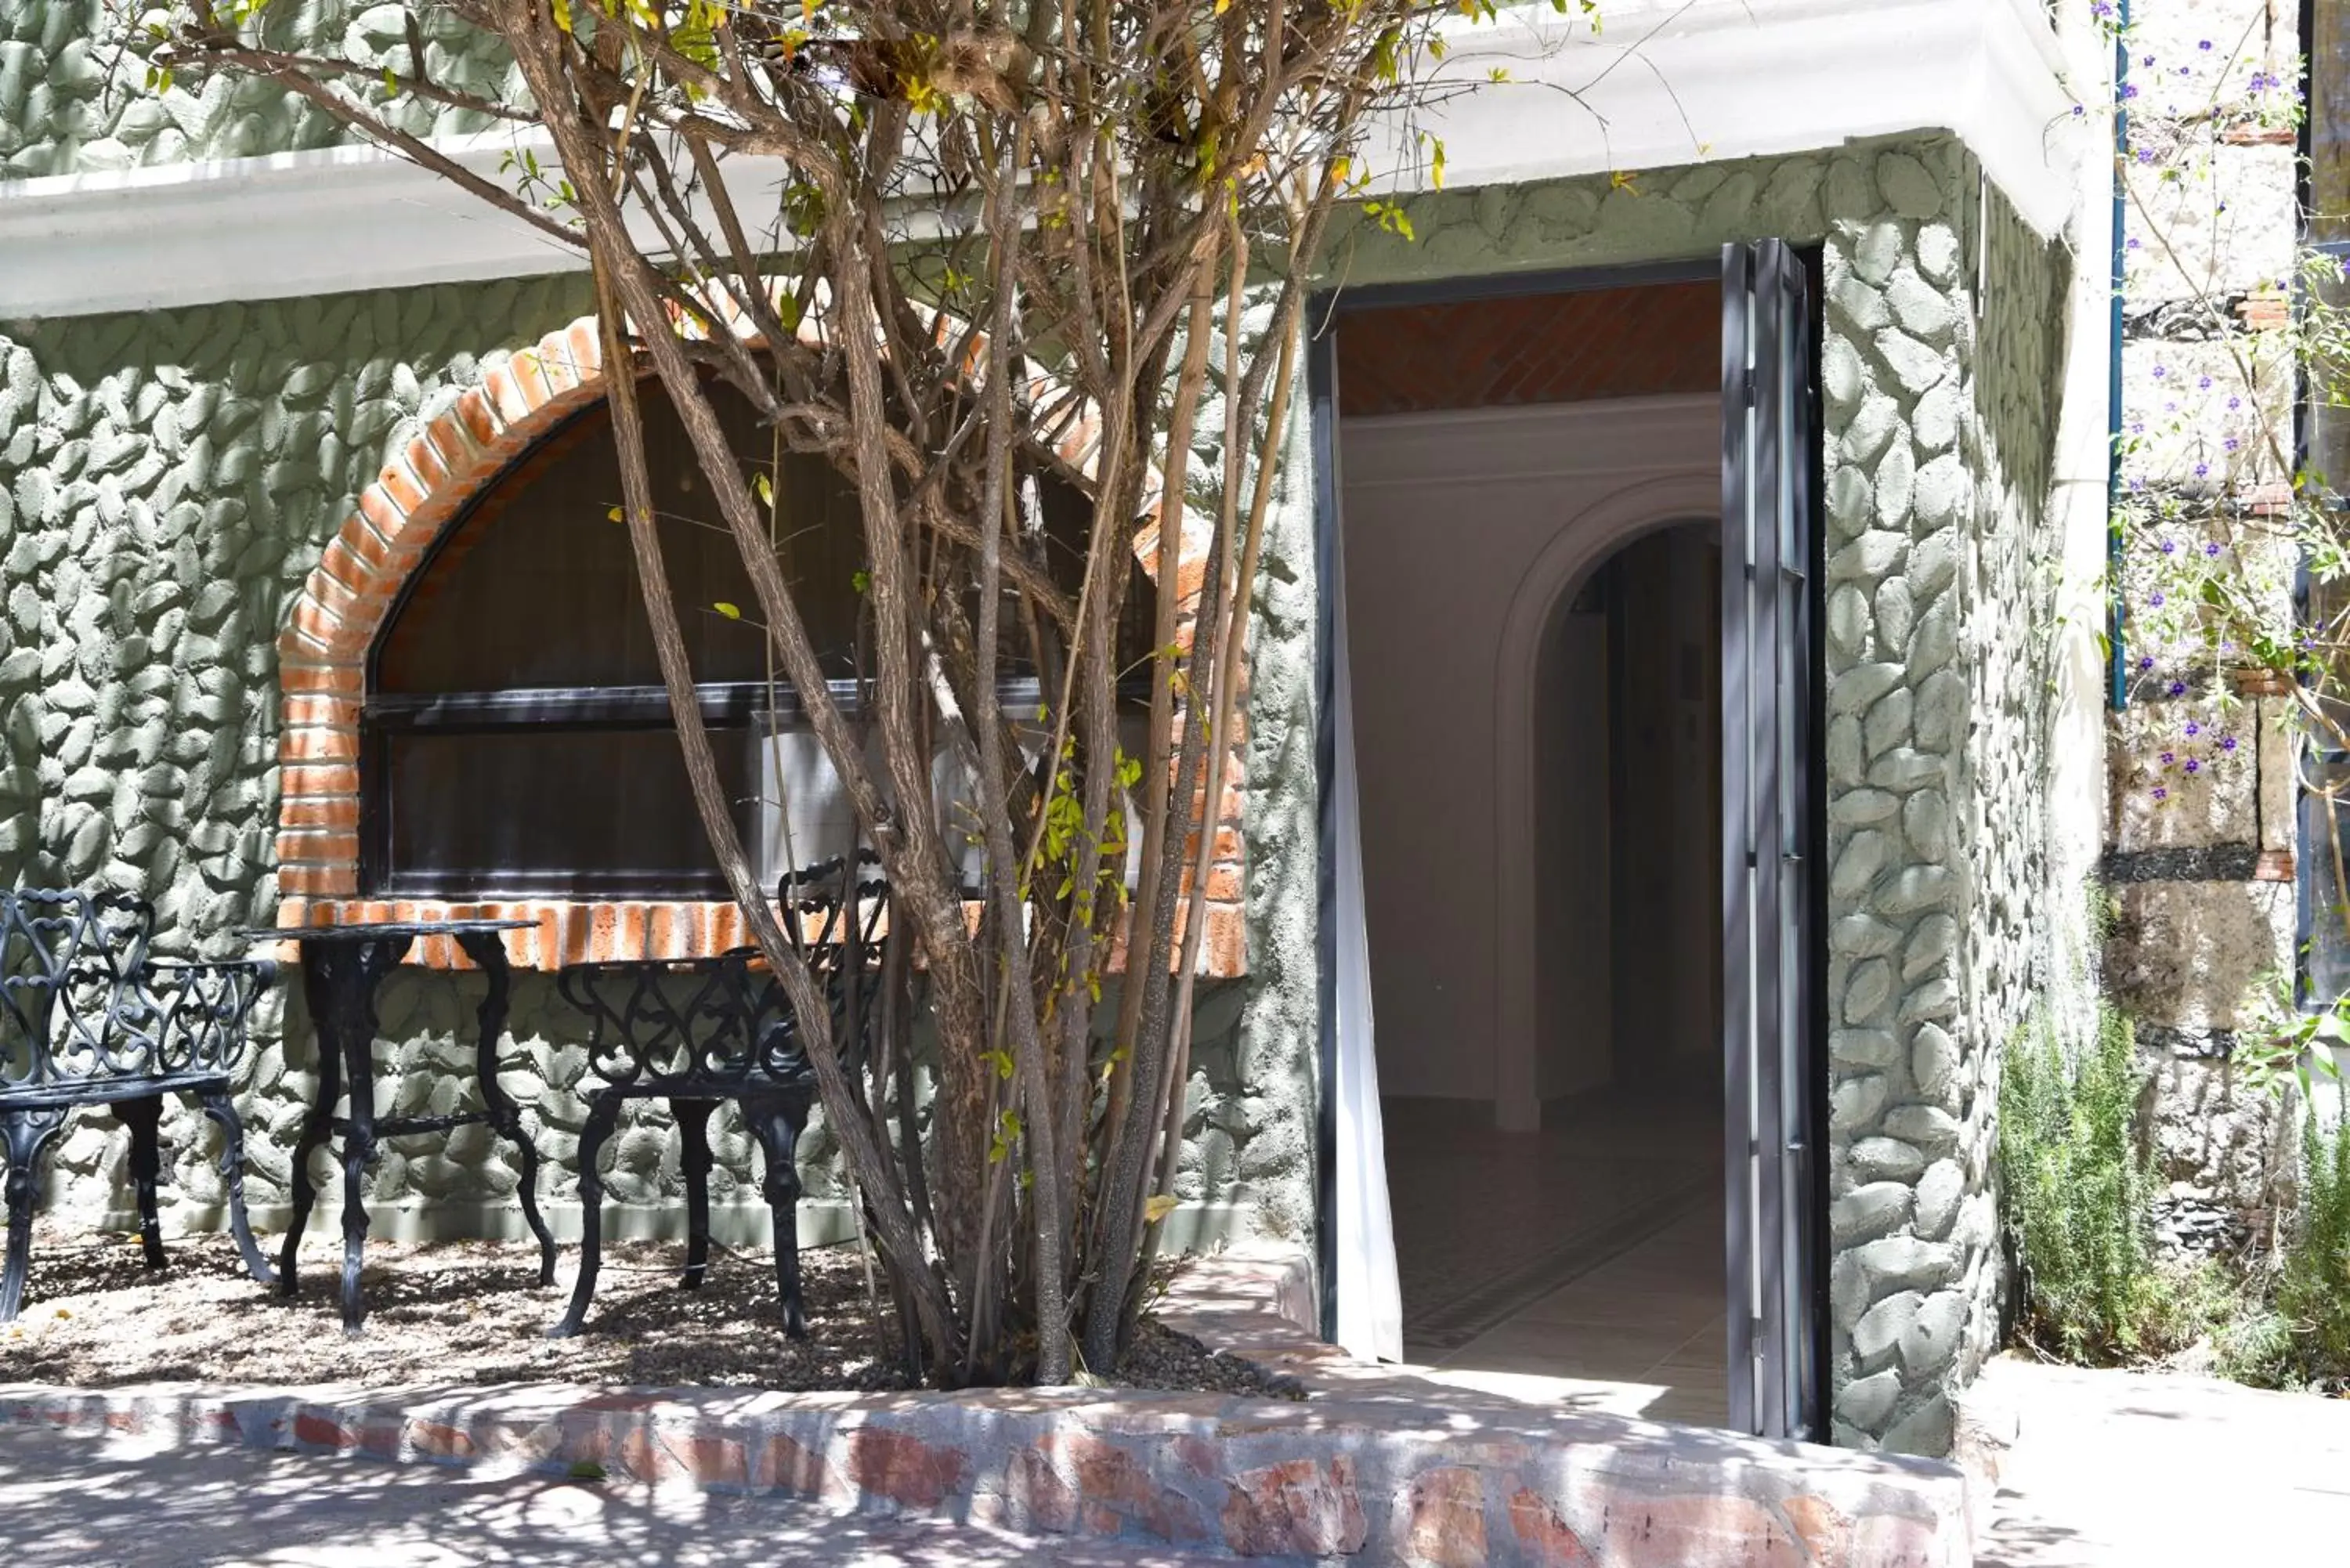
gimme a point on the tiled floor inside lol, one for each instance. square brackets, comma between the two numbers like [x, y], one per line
[1591, 1251]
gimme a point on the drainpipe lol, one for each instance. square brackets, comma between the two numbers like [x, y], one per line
[2118, 673]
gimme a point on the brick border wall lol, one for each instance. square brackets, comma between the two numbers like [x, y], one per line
[1376, 1466]
[334, 622]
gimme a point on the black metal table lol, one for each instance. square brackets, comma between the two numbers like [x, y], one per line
[342, 966]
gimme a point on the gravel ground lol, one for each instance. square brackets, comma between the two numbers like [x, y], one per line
[472, 1312]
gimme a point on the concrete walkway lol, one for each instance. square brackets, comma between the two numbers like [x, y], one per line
[2119, 1469]
[74, 1501]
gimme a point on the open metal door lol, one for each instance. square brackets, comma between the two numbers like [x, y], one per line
[1772, 673]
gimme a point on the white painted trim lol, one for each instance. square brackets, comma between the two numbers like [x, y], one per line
[1685, 81]
[1670, 82]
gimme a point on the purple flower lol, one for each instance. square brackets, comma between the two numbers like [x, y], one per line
[2227, 742]
[2147, 61]
[2202, 470]
[2193, 766]
[2234, 404]
[2130, 90]
[2204, 45]
[2211, 551]
[2160, 372]
[2169, 546]
[2078, 111]
[2204, 385]
[2160, 793]
[2169, 758]
[2154, 600]
[2146, 662]
[2177, 689]
[2233, 444]
[2193, 728]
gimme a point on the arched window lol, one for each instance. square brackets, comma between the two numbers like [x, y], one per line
[515, 739]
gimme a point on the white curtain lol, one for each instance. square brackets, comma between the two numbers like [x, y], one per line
[1370, 1306]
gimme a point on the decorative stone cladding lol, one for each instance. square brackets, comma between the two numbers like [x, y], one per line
[1940, 366]
[334, 622]
[169, 483]
[2199, 881]
[74, 96]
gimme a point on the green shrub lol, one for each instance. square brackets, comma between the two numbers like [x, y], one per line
[2077, 1195]
[2313, 1280]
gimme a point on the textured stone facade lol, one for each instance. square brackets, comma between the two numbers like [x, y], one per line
[75, 98]
[169, 482]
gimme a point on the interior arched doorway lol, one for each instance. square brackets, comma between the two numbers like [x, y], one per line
[1535, 626]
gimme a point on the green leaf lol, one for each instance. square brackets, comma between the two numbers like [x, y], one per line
[732, 612]
[861, 580]
[764, 488]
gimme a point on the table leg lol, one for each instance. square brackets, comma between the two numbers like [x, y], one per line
[776, 1119]
[693, 1127]
[489, 953]
[339, 981]
[320, 977]
[359, 1148]
[603, 1114]
[143, 1116]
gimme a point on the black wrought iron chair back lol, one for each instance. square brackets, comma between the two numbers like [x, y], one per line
[697, 1032]
[88, 1018]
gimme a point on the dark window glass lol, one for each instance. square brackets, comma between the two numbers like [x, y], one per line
[489, 812]
[537, 586]
[517, 739]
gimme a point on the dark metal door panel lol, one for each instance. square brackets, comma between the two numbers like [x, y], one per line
[1770, 678]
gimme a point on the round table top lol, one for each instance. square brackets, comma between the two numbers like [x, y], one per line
[377, 930]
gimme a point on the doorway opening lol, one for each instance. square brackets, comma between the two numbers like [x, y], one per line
[1532, 494]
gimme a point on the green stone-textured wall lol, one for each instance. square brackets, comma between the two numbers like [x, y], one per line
[74, 96]
[167, 482]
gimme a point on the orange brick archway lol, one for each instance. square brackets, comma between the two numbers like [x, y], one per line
[322, 669]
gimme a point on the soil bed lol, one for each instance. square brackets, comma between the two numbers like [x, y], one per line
[472, 1312]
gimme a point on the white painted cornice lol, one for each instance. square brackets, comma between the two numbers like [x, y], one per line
[1672, 82]
[1668, 82]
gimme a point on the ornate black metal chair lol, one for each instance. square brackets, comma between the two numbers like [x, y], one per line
[696, 1032]
[87, 1019]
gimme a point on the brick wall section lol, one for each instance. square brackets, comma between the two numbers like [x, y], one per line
[335, 620]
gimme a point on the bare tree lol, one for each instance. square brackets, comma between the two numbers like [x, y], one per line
[1004, 232]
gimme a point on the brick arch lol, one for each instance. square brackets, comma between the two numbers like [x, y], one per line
[488, 435]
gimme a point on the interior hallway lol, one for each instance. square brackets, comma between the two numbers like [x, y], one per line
[1591, 1250]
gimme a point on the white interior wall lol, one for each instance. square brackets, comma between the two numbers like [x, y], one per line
[1445, 516]
[1574, 1002]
